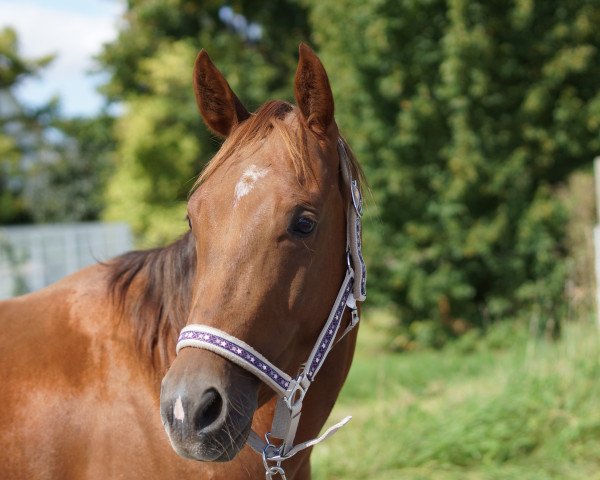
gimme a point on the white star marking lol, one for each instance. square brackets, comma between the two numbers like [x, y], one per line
[247, 181]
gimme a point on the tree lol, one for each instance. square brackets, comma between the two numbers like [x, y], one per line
[52, 169]
[20, 128]
[466, 115]
[69, 187]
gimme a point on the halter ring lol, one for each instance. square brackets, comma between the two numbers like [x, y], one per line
[295, 396]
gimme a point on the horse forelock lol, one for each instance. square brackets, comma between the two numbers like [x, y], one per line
[274, 116]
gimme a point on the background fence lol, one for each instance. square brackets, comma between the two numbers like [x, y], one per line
[32, 257]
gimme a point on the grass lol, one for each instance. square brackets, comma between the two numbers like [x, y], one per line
[501, 406]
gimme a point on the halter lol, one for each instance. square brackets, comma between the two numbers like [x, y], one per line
[291, 391]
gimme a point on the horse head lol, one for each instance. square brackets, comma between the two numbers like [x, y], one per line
[269, 220]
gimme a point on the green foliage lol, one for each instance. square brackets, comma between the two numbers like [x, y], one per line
[11, 205]
[13, 67]
[70, 187]
[512, 406]
[19, 129]
[466, 115]
[161, 142]
[51, 169]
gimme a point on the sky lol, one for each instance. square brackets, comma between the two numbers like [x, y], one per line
[72, 30]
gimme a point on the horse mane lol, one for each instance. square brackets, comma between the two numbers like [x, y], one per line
[158, 303]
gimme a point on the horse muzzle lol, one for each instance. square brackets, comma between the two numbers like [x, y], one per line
[207, 406]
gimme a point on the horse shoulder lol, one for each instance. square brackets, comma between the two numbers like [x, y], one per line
[77, 401]
[60, 352]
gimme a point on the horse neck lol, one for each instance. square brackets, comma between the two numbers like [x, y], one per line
[153, 289]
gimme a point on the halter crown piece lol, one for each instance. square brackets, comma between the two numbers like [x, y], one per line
[291, 391]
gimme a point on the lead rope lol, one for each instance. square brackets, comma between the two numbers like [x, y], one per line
[292, 391]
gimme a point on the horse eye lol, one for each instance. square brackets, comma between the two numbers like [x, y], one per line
[303, 226]
[189, 221]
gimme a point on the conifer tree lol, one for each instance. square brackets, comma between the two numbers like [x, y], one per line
[466, 114]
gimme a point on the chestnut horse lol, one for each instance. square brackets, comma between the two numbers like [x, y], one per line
[81, 361]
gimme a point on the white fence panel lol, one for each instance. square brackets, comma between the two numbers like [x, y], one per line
[34, 256]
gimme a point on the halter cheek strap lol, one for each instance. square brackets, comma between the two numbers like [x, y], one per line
[291, 391]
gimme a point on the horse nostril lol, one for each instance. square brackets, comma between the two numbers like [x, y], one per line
[208, 410]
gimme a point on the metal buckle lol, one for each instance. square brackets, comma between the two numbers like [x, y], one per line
[355, 318]
[356, 197]
[292, 400]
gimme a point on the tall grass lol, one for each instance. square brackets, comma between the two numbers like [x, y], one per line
[497, 407]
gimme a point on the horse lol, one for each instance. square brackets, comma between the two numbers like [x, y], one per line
[82, 361]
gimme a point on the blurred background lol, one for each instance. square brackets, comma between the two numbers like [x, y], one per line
[476, 122]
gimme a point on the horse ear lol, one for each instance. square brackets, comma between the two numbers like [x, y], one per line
[312, 91]
[218, 105]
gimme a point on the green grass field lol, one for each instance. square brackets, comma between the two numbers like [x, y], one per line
[501, 406]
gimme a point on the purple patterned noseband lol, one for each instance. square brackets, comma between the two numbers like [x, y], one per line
[291, 391]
